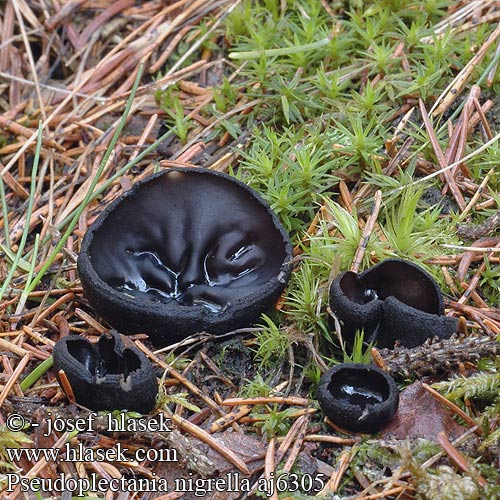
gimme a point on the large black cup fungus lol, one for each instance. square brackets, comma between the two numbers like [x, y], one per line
[185, 251]
[394, 301]
[358, 397]
[109, 375]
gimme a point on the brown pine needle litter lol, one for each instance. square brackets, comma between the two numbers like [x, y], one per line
[342, 115]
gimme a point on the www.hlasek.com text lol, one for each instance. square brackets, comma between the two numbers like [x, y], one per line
[81, 453]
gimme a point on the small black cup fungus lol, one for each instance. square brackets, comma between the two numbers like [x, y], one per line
[109, 375]
[185, 251]
[394, 301]
[357, 397]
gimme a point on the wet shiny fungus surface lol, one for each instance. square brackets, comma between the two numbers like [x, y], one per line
[187, 239]
[358, 397]
[360, 388]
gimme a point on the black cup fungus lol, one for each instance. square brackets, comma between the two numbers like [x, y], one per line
[394, 301]
[357, 397]
[186, 250]
[108, 375]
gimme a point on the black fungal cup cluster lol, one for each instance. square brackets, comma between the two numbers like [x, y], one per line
[190, 250]
[184, 251]
[393, 302]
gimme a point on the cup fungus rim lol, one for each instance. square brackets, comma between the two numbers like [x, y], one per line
[416, 268]
[72, 338]
[96, 346]
[107, 391]
[358, 308]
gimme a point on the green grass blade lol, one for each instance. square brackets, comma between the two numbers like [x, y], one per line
[31, 201]
[22, 264]
[25, 294]
[5, 214]
[36, 374]
[282, 51]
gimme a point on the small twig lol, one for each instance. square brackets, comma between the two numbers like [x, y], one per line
[230, 418]
[218, 372]
[29, 54]
[54, 306]
[66, 11]
[378, 360]
[476, 196]
[441, 158]
[66, 386]
[291, 400]
[476, 232]
[475, 279]
[93, 323]
[183, 380]
[292, 433]
[319, 438]
[14, 378]
[10, 346]
[341, 466]
[367, 231]
[300, 432]
[115, 8]
[468, 255]
[145, 134]
[446, 355]
[458, 458]
[450, 405]
[269, 467]
[442, 170]
[453, 90]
